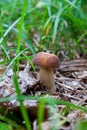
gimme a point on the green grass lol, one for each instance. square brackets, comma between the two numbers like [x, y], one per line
[52, 20]
[60, 25]
[43, 100]
[22, 108]
[46, 99]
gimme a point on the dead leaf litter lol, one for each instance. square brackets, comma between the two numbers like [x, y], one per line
[71, 84]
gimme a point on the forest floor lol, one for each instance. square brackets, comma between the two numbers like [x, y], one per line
[71, 84]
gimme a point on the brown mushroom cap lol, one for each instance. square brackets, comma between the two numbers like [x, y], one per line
[46, 60]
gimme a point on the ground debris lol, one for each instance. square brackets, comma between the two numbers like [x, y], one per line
[74, 65]
[71, 84]
[26, 80]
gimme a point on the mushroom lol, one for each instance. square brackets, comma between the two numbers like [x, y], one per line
[47, 62]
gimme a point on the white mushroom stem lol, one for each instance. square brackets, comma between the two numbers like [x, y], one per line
[46, 76]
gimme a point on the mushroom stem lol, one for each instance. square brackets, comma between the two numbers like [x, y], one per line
[46, 76]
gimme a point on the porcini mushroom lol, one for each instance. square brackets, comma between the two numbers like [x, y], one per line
[47, 62]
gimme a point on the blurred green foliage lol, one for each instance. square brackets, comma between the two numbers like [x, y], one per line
[58, 24]
[4, 126]
[81, 125]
